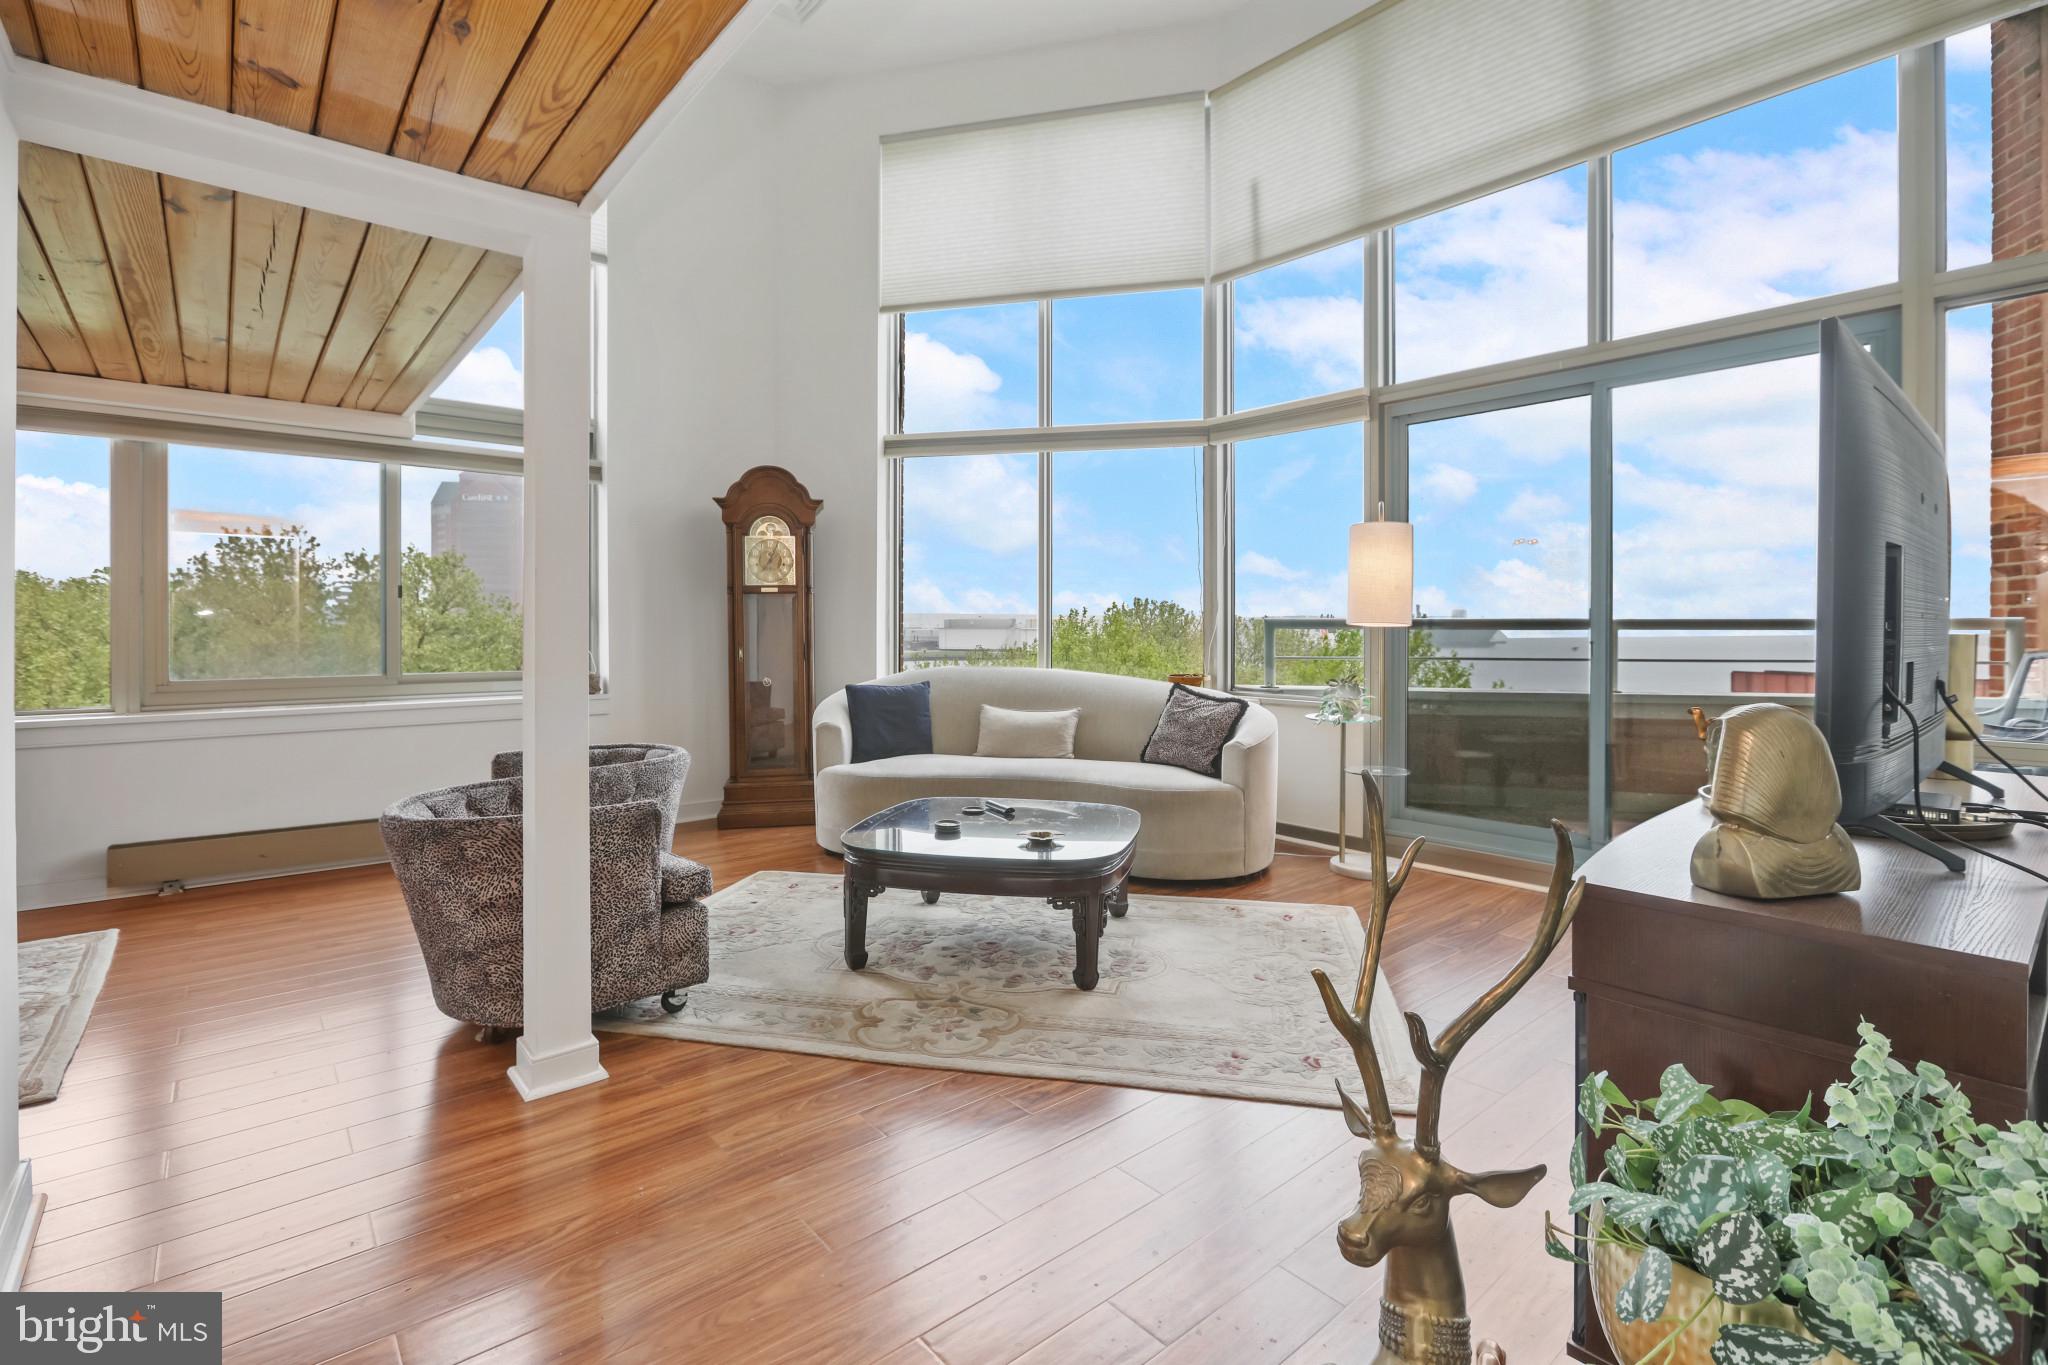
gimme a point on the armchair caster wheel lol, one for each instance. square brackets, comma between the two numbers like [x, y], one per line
[673, 1001]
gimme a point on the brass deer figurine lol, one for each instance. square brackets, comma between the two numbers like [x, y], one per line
[1405, 1187]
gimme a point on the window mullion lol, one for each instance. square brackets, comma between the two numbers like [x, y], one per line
[1599, 249]
[391, 519]
[128, 475]
[1045, 486]
[149, 464]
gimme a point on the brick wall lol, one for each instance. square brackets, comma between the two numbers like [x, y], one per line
[2019, 361]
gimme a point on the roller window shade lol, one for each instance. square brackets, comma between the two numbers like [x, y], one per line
[1420, 104]
[1094, 200]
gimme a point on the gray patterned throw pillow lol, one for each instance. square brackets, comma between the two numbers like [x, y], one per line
[1192, 730]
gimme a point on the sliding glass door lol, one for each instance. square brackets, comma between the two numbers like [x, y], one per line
[1498, 663]
[1596, 554]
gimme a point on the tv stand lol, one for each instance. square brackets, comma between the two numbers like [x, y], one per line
[1760, 999]
[1977, 780]
[1885, 828]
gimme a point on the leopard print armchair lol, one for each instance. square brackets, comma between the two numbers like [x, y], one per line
[626, 772]
[460, 861]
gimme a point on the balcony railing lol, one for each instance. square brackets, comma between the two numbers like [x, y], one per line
[1273, 656]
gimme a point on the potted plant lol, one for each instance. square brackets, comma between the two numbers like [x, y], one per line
[1900, 1231]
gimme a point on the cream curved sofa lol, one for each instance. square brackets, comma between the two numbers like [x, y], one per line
[1194, 827]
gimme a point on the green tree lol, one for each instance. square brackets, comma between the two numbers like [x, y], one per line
[271, 605]
[1144, 638]
[1427, 668]
[449, 623]
[60, 641]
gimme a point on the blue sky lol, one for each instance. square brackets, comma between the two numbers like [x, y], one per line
[1715, 477]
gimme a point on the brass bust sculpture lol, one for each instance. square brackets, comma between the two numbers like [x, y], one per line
[1775, 800]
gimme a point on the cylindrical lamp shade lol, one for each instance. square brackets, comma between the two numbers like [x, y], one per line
[1382, 574]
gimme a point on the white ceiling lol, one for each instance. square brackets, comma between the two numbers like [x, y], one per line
[855, 37]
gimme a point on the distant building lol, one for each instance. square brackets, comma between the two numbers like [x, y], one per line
[479, 516]
[944, 637]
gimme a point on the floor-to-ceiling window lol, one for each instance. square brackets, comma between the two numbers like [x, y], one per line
[1594, 394]
[1080, 550]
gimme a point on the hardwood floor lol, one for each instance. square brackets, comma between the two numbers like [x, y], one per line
[267, 1104]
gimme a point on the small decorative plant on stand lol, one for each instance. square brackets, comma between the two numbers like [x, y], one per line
[1899, 1232]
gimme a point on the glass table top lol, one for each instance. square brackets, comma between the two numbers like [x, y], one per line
[1083, 832]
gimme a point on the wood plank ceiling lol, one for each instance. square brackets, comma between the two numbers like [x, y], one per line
[540, 94]
[130, 275]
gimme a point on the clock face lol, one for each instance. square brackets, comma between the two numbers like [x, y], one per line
[769, 555]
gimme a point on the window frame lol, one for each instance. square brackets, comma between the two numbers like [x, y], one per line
[139, 577]
[1925, 289]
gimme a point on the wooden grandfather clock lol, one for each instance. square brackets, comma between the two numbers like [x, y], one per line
[768, 517]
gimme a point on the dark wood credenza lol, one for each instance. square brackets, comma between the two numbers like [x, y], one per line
[1761, 999]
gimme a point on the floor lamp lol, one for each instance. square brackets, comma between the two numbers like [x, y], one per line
[1380, 596]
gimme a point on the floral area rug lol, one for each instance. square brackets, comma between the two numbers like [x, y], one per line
[1208, 996]
[59, 979]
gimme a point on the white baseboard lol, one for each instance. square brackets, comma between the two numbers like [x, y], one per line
[18, 1218]
[689, 812]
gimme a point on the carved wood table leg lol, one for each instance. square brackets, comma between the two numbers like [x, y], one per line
[930, 897]
[854, 895]
[1119, 899]
[1089, 917]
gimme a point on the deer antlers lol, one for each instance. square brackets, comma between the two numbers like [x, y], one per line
[1355, 1023]
[1560, 904]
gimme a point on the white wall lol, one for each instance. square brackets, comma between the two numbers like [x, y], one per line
[744, 329]
[120, 780]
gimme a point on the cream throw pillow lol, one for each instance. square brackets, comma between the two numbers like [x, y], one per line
[1026, 734]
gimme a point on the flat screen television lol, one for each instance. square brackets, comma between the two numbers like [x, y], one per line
[1883, 610]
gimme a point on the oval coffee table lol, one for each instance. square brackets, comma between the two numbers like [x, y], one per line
[1084, 870]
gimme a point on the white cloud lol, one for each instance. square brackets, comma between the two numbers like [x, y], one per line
[1448, 483]
[1285, 474]
[487, 374]
[1496, 279]
[924, 597]
[1530, 506]
[60, 527]
[1252, 564]
[1322, 334]
[988, 502]
[1714, 233]
[949, 390]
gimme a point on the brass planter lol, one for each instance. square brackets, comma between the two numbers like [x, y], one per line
[1612, 1266]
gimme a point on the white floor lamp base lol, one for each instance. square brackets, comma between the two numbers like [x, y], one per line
[1353, 863]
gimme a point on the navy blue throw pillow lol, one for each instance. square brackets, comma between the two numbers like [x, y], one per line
[889, 719]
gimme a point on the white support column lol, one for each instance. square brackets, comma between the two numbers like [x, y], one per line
[557, 1051]
[17, 1189]
[1922, 199]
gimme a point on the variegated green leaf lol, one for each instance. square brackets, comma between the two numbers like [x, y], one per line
[1630, 1208]
[1770, 1184]
[1704, 1186]
[1746, 1344]
[1835, 1333]
[1964, 1306]
[1555, 1244]
[1841, 1207]
[1678, 1093]
[1643, 1298]
[1593, 1100]
[1737, 1257]
[1578, 1164]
